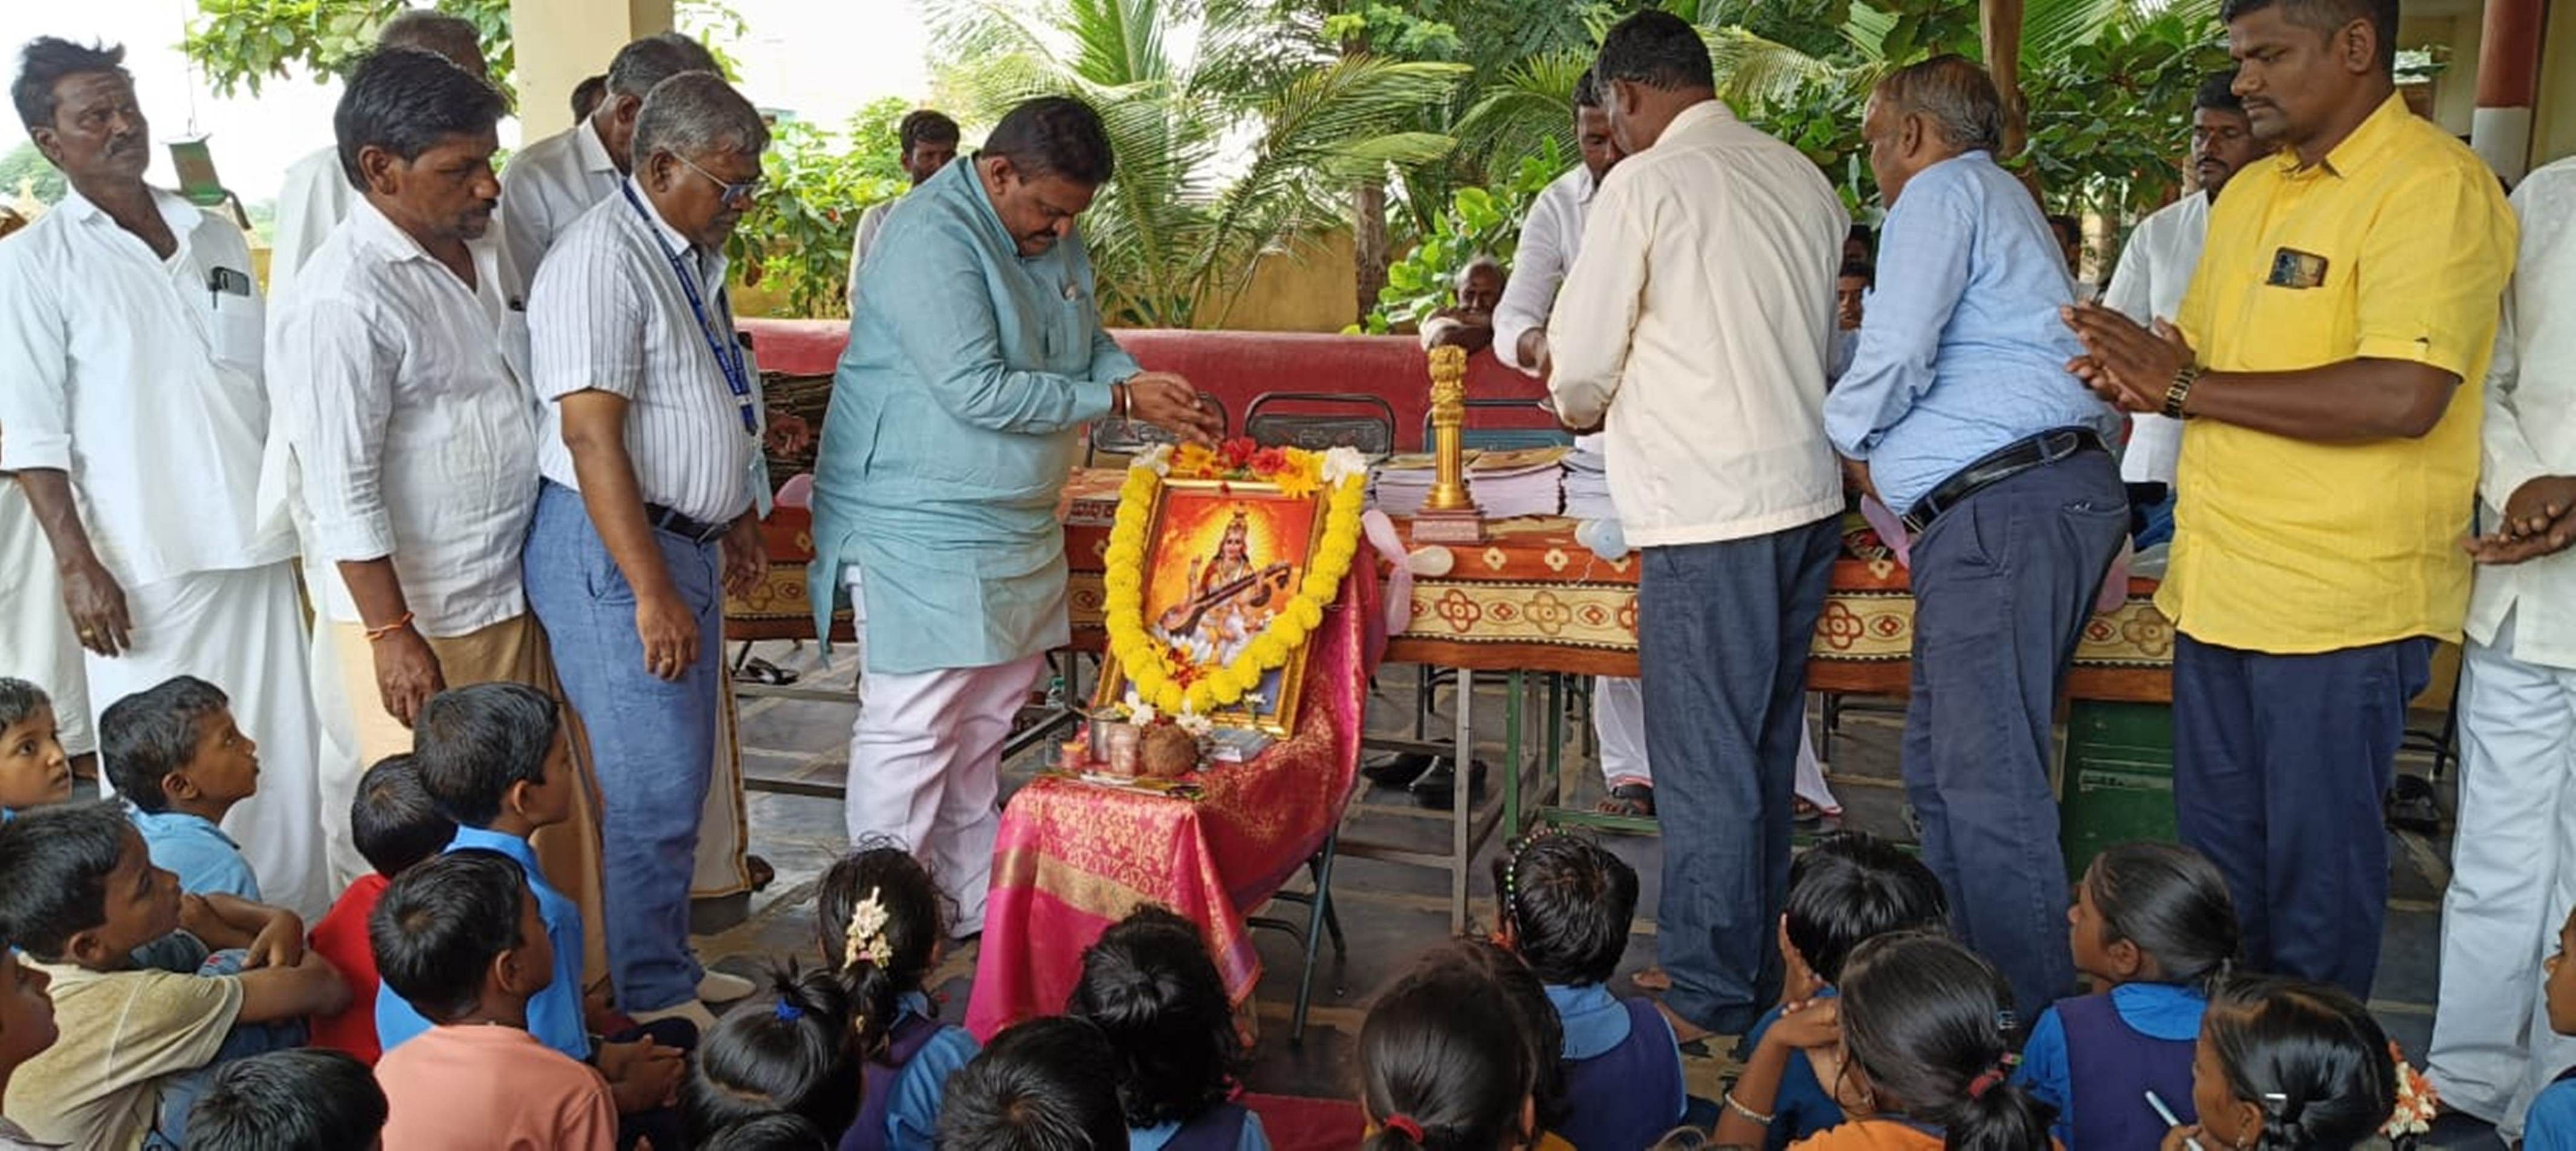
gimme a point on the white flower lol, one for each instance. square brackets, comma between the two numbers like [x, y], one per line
[1156, 459]
[1343, 463]
[1139, 712]
[1194, 723]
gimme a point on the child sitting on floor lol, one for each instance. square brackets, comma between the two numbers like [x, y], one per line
[495, 759]
[1843, 892]
[1449, 1062]
[1926, 1054]
[290, 1101]
[460, 936]
[395, 826]
[1048, 1084]
[2284, 1065]
[173, 753]
[775, 1131]
[879, 924]
[81, 896]
[2153, 929]
[791, 1056]
[34, 771]
[1150, 987]
[1566, 906]
[26, 1029]
[2551, 1123]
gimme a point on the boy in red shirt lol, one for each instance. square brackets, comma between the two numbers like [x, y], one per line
[395, 825]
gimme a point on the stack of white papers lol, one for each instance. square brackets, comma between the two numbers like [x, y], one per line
[1529, 482]
[1587, 482]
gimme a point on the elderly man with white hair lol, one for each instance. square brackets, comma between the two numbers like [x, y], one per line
[652, 468]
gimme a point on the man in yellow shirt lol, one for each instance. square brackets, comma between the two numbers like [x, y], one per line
[2330, 459]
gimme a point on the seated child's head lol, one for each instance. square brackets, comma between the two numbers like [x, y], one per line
[2284, 1064]
[1927, 1037]
[26, 1011]
[793, 1055]
[393, 820]
[1567, 906]
[458, 937]
[33, 769]
[308, 1099]
[2559, 990]
[1049, 1084]
[1441, 1068]
[1846, 890]
[174, 747]
[1150, 987]
[879, 922]
[776, 1131]
[81, 887]
[494, 755]
[2152, 913]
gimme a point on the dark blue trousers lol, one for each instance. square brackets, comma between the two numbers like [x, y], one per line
[2003, 584]
[1723, 631]
[2280, 763]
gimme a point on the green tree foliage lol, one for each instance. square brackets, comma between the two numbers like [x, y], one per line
[796, 242]
[242, 44]
[24, 165]
[1478, 222]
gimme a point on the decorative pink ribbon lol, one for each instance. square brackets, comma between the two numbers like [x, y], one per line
[1399, 581]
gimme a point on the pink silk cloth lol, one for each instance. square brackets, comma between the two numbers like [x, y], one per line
[1074, 858]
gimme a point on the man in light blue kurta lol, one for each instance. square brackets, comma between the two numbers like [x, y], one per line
[974, 361]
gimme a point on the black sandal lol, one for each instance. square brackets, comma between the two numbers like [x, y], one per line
[1635, 800]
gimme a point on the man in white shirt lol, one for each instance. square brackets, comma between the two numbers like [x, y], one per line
[414, 441]
[1694, 323]
[647, 514]
[2156, 266]
[550, 183]
[929, 143]
[317, 193]
[2513, 862]
[130, 387]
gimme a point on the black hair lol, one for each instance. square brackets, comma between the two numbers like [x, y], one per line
[1054, 134]
[145, 736]
[915, 922]
[20, 699]
[45, 62]
[1657, 49]
[1542, 1029]
[775, 1131]
[2327, 17]
[1049, 1084]
[439, 926]
[407, 101]
[1441, 1069]
[1927, 1022]
[646, 62]
[587, 95]
[1587, 89]
[307, 1099]
[1862, 270]
[924, 126]
[472, 744]
[2309, 1055]
[2218, 93]
[1862, 233]
[2170, 901]
[1150, 987]
[2069, 230]
[392, 819]
[792, 1054]
[1570, 905]
[447, 36]
[1850, 888]
[58, 859]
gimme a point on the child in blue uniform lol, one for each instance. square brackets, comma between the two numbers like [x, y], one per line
[2152, 927]
[879, 924]
[1566, 906]
[1150, 987]
[2284, 1064]
[2551, 1126]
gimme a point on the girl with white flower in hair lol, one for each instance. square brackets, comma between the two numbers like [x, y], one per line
[881, 923]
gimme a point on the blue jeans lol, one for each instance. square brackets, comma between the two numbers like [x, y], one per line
[2003, 584]
[179, 1092]
[1723, 631]
[2280, 766]
[651, 740]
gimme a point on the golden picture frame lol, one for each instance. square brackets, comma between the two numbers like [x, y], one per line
[1222, 559]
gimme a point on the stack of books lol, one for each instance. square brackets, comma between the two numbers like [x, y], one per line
[1528, 482]
[1587, 482]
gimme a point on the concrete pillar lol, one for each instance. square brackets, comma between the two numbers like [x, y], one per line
[2509, 45]
[559, 43]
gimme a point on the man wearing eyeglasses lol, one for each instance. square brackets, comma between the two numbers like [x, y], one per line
[648, 510]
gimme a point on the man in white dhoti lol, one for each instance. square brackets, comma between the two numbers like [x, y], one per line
[130, 386]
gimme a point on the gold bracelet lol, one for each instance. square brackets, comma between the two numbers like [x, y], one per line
[2180, 389]
[375, 634]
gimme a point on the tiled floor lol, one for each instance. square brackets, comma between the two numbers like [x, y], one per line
[1391, 911]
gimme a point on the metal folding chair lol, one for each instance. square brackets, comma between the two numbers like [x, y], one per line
[1320, 921]
[1370, 429]
[1130, 437]
[1502, 439]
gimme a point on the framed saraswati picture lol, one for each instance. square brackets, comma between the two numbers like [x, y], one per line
[1222, 563]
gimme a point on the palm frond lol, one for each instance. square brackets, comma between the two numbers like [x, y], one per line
[1520, 113]
[1757, 72]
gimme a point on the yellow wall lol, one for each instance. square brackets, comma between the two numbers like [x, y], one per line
[559, 43]
[1313, 289]
[2553, 120]
[2455, 91]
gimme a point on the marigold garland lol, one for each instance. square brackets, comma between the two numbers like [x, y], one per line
[1163, 678]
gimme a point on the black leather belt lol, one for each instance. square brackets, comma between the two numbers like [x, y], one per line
[2002, 464]
[693, 530]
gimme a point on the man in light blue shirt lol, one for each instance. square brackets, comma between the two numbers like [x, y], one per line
[975, 359]
[1959, 412]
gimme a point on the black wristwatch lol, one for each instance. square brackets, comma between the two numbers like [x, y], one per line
[2180, 389]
